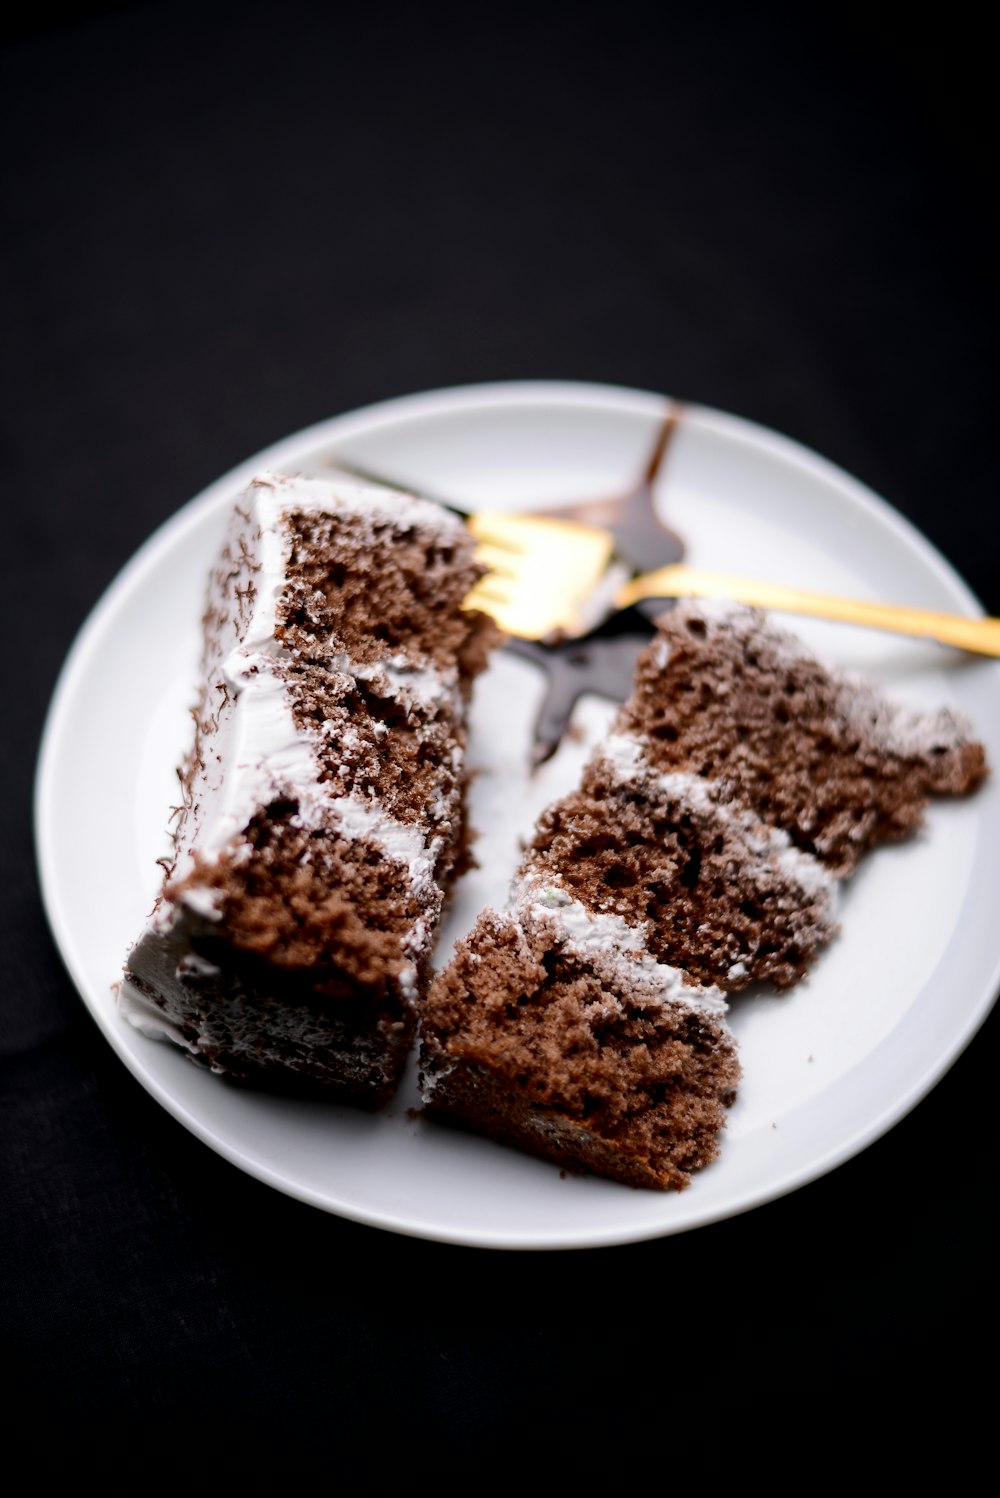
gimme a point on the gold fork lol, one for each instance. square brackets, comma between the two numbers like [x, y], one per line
[545, 581]
[549, 578]
[547, 575]
[979, 635]
[524, 611]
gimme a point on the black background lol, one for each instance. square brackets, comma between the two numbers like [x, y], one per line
[223, 222]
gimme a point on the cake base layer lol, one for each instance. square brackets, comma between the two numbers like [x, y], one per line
[296, 1030]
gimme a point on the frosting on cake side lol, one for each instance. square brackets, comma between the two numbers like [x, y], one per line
[322, 816]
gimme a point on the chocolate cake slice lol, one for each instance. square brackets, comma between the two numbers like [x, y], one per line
[698, 854]
[554, 1030]
[322, 817]
[725, 695]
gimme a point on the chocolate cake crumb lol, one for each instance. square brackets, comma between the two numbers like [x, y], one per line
[722, 889]
[323, 814]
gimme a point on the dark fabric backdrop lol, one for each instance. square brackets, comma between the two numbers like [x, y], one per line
[223, 222]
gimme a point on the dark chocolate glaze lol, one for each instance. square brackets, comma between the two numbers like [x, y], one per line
[603, 661]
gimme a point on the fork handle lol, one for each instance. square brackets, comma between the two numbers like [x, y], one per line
[981, 635]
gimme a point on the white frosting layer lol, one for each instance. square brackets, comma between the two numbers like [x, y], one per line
[260, 754]
[253, 751]
[610, 939]
[398, 677]
[624, 754]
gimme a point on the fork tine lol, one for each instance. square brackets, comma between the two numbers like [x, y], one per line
[516, 614]
[541, 571]
[502, 562]
[525, 533]
[498, 531]
[487, 595]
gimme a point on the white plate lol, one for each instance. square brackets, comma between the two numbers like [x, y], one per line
[827, 1068]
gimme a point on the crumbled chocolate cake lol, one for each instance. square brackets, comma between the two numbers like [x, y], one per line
[699, 853]
[322, 820]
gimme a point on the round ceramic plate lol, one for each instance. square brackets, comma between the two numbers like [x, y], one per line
[827, 1068]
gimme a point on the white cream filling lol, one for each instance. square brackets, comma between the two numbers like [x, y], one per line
[624, 753]
[398, 677]
[607, 937]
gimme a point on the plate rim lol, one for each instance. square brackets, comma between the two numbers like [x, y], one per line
[512, 393]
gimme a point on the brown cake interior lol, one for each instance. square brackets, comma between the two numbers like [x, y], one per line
[410, 603]
[573, 1060]
[309, 899]
[729, 697]
[397, 753]
[689, 876]
[405, 755]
